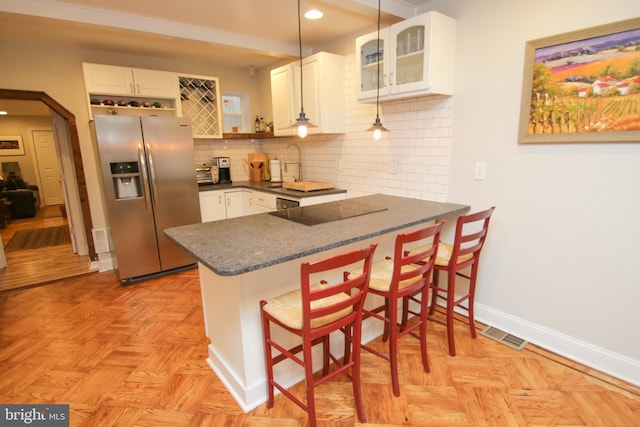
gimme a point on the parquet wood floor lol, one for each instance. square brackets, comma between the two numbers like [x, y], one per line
[135, 356]
[34, 267]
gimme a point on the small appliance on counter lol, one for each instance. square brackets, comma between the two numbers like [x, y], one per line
[206, 174]
[224, 169]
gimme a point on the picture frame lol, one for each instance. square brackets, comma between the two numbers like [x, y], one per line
[11, 145]
[582, 86]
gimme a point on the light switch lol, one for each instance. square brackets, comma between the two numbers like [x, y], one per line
[480, 171]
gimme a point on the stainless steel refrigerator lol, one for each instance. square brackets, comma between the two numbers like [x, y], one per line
[149, 185]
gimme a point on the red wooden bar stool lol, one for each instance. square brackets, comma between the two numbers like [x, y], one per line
[396, 278]
[464, 253]
[312, 313]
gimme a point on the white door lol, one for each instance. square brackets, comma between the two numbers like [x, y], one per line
[48, 168]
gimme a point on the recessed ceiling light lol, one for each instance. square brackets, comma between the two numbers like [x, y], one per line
[3, 113]
[313, 14]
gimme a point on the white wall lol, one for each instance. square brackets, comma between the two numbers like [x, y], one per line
[560, 267]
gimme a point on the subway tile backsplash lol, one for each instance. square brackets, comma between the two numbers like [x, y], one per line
[412, 160]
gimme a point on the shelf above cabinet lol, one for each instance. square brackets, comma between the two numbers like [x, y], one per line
[117, 107]
[241, 135]
[97, 106]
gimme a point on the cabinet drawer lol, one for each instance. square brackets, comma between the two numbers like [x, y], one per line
[264, 200]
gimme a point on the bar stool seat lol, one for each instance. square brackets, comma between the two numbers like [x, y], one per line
[382, 273]
[287, 308]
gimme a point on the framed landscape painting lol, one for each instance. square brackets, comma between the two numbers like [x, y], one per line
[11, 145]
[583, 86]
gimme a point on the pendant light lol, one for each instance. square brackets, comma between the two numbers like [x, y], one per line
[302, 123]
[377, 127]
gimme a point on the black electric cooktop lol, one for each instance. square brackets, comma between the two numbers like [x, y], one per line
[327, 212]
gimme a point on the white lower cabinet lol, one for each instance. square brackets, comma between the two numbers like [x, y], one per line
[260, 202]
[223, 204]
[212, 206]
[237, 203]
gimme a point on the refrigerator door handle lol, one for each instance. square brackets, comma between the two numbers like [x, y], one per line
[145, 178]
[152, 172]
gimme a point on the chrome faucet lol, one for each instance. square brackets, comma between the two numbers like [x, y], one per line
[299, 162]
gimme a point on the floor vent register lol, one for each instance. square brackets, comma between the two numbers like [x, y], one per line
[504, 338]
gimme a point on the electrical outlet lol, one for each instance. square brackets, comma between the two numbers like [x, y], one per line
[480, 172]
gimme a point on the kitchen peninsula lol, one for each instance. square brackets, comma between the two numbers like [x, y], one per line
[246, 259]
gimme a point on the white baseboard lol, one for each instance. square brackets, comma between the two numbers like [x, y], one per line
[595, 357]
[105, 262]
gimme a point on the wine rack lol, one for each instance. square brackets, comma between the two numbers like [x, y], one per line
[200, 101]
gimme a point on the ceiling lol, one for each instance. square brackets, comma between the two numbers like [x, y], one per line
[234, 33]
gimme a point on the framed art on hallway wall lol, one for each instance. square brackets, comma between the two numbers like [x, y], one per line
[583, 86]
[11, 145]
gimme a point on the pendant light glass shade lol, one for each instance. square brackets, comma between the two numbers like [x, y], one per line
[377, 127]
[302, 123]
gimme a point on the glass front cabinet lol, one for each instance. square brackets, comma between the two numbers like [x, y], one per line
[414, 57]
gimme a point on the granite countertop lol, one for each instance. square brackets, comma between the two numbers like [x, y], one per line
[239, 245]
[269, 187]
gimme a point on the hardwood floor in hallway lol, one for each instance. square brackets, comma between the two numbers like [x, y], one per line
[135, 356]
[34, 267]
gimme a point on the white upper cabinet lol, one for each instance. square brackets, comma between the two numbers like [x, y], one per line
[130, 91]
[415, 57]
[371, 66]
[282, 99]
[323, 91]
[114, 80]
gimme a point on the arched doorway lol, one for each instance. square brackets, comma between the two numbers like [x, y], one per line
[74, 142]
